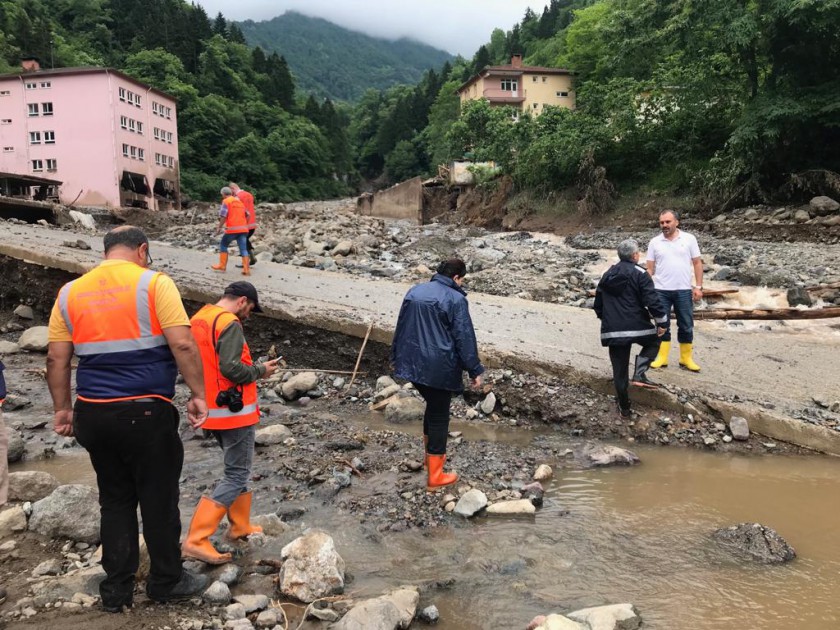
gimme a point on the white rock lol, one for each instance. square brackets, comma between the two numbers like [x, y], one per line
[8, 347]
[311, 567]
[407, 409]
[252, 603]
[299, 384]
[235, 611]
[35, 339]
[85, 220]
[512, 508]
[488, 404]
[384, 381]
[273, 434]
[559, 622]
[217, 594]
[615, 617]
[12, 520]
[388, 612]
[268, 619]
[387, 392]
[343, 248]
[472, 502]
[24, 311]
[543, 472]
[272, 524]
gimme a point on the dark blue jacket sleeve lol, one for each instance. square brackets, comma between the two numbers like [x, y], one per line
[399, 333]
[464, 335]
[650, 298]
[2, 381]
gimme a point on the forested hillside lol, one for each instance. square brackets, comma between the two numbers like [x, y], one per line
[333, 62]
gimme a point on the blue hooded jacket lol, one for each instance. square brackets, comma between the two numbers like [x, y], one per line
[435, 341]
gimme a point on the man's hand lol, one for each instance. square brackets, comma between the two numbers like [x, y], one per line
[660, 331]
[697, 294]
[475, 383]
[63, 422]
[196, 412]
[271, 367]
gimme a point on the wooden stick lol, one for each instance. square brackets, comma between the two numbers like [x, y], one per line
[776, 313]
[359, 359]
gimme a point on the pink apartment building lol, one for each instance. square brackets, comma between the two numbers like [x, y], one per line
[108, 139]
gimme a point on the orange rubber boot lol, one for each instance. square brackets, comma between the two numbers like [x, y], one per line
[438, 478]
[246, 266]
[239, 515]
[205, 521]
[222, 262]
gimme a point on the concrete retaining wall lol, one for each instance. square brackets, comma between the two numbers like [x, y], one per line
[403, 201]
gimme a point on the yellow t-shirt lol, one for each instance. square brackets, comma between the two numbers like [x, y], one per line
[168, 306]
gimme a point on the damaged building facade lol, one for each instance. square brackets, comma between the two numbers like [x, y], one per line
[104, 138]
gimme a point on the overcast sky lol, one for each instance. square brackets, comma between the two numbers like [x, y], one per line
[457, 26]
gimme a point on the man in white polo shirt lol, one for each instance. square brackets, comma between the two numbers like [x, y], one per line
[673, 259]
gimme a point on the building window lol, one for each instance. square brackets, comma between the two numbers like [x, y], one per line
[157, 159]
[31, 86]
[52, 164]
[123, 122]
[4, 92]
[33, 109]
[47, 109]
[122, 94]
[34, 137]
[156, 132]
[125, 150]
[37, 165]
[535, 105]
[545, 79]
[171, 161]
[169, 137]
[562, 94]
[139, 127]
[168, 113]
[6, 121]
[137, 100]
[46, 84]
[8, 149]
[535, 79]
[133, 152]
[131, 124]
[49, 137]
[141, 155]
[154, 107]
[509, 85]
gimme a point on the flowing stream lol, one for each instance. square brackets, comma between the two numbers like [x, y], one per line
[637, 535]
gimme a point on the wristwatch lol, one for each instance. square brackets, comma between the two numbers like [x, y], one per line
[697, 286]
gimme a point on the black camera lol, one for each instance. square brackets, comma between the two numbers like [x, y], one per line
[230, 398]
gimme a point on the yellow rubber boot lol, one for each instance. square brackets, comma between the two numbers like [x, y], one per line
[685, 358]
[205, 522]
[662, 358]
[438, 478]
[246, 266]
[239, 515]
[222, 262]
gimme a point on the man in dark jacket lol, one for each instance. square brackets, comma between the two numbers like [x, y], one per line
[434, 342]
[625, 301]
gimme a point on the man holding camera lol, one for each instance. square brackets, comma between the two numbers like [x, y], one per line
[230, 380]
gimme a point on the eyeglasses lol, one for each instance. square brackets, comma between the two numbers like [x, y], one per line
[149, 260]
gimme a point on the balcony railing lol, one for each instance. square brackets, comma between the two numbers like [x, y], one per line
[507, 96]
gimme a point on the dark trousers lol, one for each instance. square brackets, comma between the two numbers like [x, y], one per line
[137, 455]
[251, 247]
[620, 359]
[436, 417]
[683, 306]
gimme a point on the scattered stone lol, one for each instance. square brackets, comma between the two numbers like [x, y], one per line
[47, 567]
[388, 612]
[252, 603]
[12, 520]
[801, 216]
[384, 382]
[488, 404]
[17, 446]
[756, 541]
[230, 574]
[24, 311]
[407, 409]
[272, 524]
[35, 339]
[471, 503]
[324, 614]
[217, 594]
[615, 617]
[49, 515]
[299, 384]
[534, 492]
[740, 428]
[268, 619]
[429, 614]
[14, 402]
[555, 622]
[543, 473]
[798, 296]
[515, 507]
[387, 392]
[8, 347]
[31, 485]
[234, 611]
[273, 434]
[822, 206]
[66, 586]
[311, 567]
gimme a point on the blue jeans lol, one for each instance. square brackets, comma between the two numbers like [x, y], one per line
[241, 240]
[238, 452]
[684, 311]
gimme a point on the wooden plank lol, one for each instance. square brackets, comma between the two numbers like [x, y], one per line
[776, 313]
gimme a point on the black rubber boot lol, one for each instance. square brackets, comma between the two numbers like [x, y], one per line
[190, 585]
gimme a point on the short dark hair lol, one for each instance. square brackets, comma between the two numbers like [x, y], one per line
[452, 267]
[125, 235]
[674, 212]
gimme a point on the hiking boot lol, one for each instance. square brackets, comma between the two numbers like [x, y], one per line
[623, 412]
[190, 585]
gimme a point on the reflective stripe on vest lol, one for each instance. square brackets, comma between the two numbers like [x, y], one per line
[224, 412]
[235, 222]
[144, 320]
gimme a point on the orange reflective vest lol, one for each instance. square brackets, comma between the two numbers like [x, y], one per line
[247, 200]
[123, 354]
[236, 222]
[207, 326]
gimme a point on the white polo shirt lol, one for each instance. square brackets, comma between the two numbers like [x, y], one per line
[674, 270]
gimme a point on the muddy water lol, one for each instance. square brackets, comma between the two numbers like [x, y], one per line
[635, 535]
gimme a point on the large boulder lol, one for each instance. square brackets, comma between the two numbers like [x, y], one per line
[388, 612]
[35, 339]
[615, 617]
[312, 568]
[31, 485]
[594, 455]
[299, 384]
[405, 409]
[274, 434]
[755, 541]
[822, 206]
[65, 586]
[50, 514]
